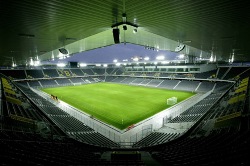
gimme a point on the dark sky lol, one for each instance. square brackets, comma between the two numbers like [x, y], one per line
[119, 52]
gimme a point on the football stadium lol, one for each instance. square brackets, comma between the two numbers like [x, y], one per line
[125, 83]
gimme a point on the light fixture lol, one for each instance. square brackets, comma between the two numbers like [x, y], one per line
[180, 47]
[181, 56]
[124, 22]
[165, 62]
[63, 51]
[160, 57]
[31, 61]
[211, 58]
[61, 64]
[83, 64]
[135, 59]
[36, 63]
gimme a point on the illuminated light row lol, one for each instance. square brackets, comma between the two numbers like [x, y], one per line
[160, 57]
[34, 62]
[136, 59]
[61, 64]
[84, 65]
[117, 64]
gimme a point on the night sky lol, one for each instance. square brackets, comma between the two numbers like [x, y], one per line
[119, 52]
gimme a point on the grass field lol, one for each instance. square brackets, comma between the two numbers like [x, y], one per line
[117, 104]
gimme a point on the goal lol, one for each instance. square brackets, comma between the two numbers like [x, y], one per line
[172, 101]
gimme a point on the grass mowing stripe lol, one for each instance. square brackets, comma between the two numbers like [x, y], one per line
[117, 104]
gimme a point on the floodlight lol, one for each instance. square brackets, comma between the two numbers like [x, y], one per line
[211, 58]
[31, 61]
[13, 64]
[36, 63]
[181, 56]
[135, 59]
[179, 48]
[83, 65]
[63, 51]
[165, 62]
[61, 64]
[160, 57]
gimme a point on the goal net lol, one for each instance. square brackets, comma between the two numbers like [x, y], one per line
[172, 101]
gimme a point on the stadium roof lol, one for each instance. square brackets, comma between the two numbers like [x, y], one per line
[31, 29]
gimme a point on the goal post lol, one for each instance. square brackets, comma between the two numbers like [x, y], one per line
[171, 100]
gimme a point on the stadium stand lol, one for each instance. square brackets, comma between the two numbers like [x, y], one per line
[15, 74]
[34, 73]
[76, 80]
[63, 81]
[34, 83]
[87, 71]
[50, 73]
[205, 86]
[169, 84]
[187, 85]
[48, 82]
[234, 71]
[77, 72]
[64, 72]
[155, 82]
[205, 75]
[24, 83]
[99, 71]
[222, 71]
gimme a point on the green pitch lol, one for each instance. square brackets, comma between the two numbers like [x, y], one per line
[117, 104]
